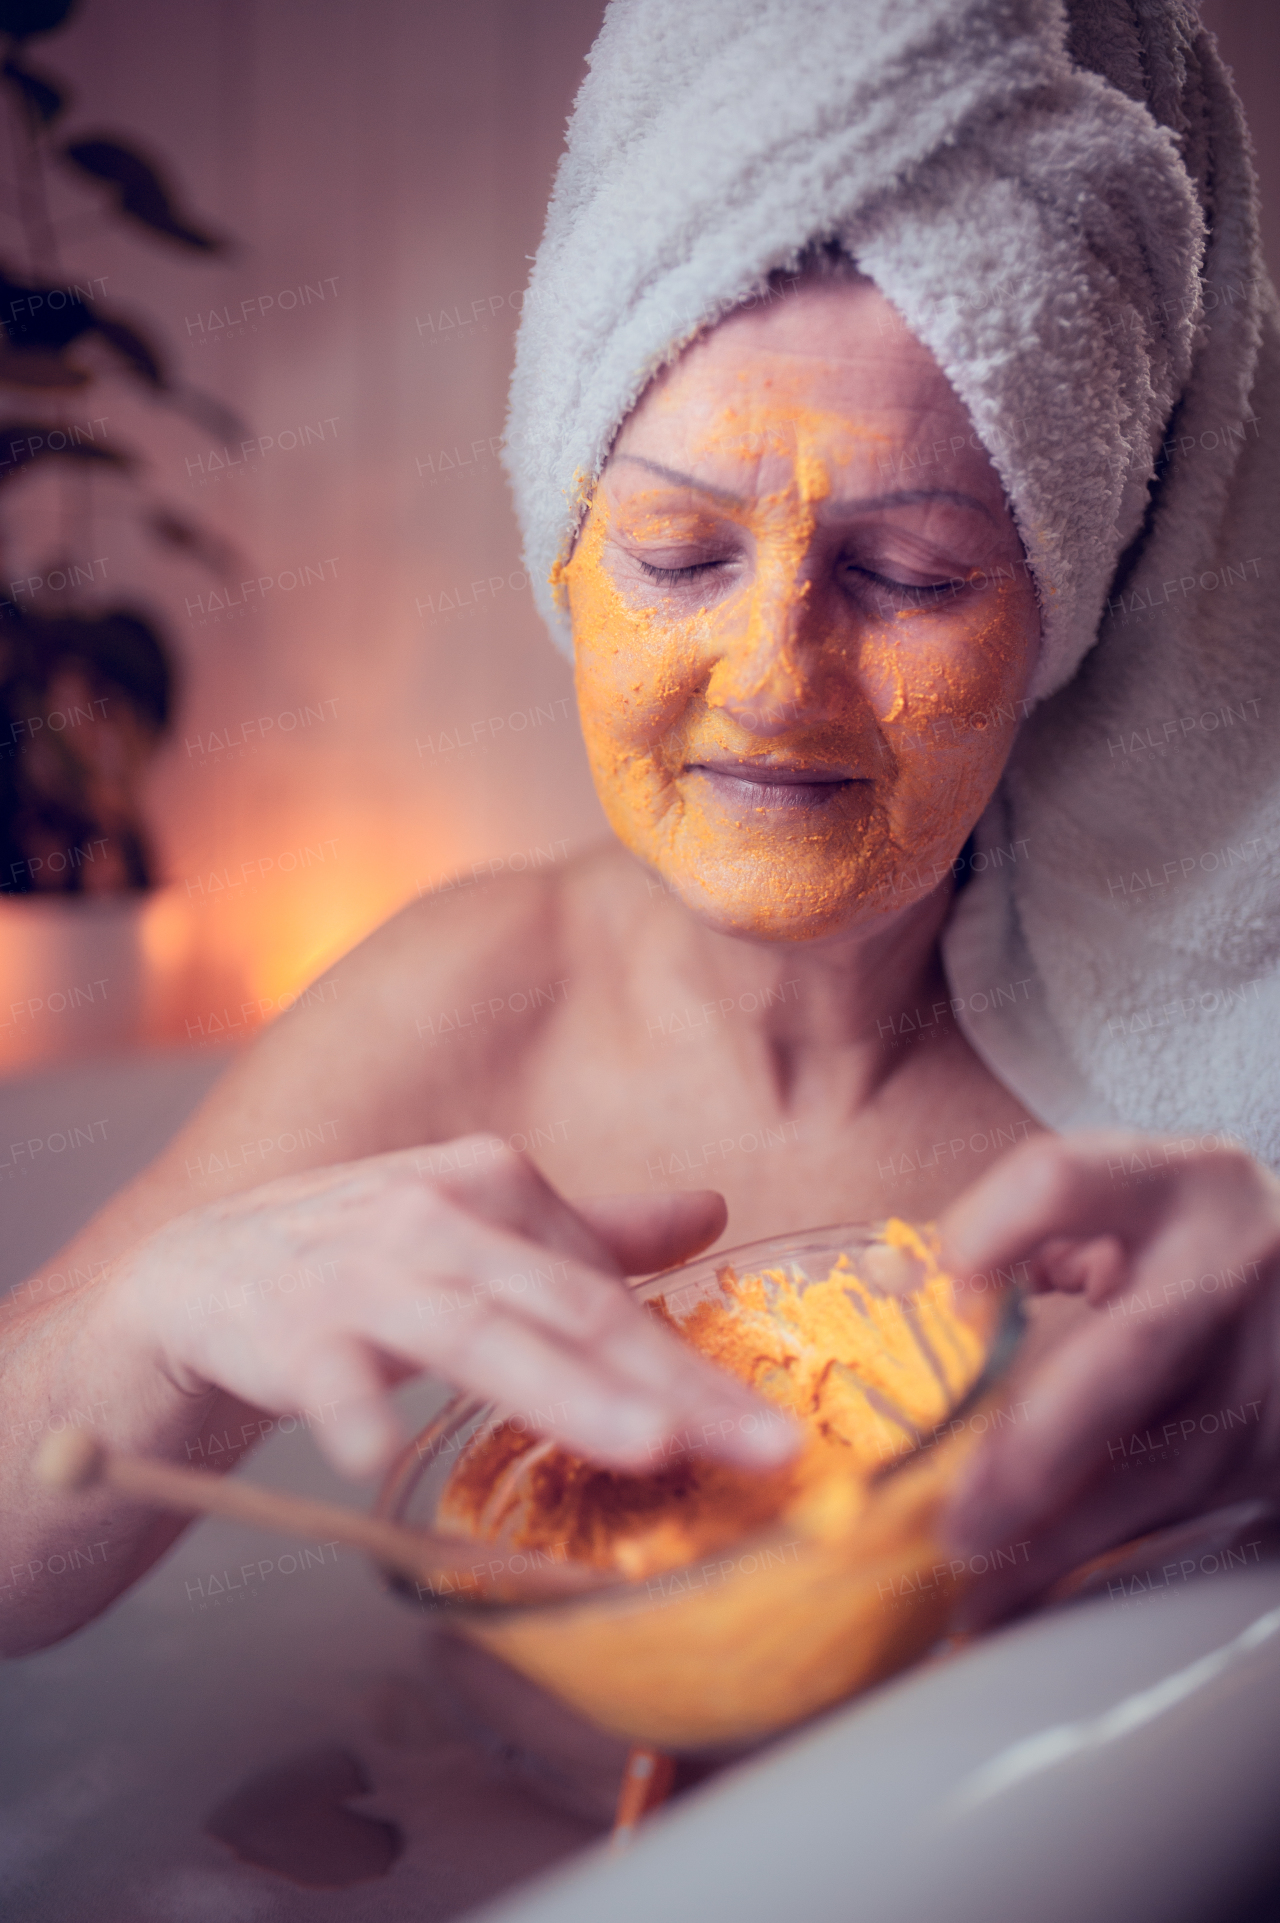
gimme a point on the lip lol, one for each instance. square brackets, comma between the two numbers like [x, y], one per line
[777, 785]
[773, 774]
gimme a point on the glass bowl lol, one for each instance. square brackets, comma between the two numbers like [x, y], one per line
[726, 1636]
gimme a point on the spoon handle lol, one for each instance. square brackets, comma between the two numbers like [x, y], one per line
[73, 1461]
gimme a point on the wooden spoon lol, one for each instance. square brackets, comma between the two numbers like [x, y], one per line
[72, 1461]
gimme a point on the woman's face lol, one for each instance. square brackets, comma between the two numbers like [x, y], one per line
[802, 621]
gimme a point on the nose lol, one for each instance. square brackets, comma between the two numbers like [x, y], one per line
[764, 676]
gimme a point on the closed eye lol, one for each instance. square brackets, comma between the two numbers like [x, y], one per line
[911, 593]
[673, 577]
[903, 593]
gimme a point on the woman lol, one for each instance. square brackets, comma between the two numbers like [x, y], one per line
[862, 393]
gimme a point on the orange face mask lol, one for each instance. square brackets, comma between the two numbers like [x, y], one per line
[793, 712]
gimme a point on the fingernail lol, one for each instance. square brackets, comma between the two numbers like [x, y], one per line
[763, 1437]
[633, 1420]
[362, 1443]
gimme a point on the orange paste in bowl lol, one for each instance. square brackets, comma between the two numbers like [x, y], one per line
[868, 1373]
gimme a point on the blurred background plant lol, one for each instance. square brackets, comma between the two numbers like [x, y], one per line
[86, 693]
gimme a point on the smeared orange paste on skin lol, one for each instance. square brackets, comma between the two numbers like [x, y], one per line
[890, 692]
[868, 1375]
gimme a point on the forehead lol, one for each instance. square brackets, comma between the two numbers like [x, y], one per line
[825, 348]
[827, 373]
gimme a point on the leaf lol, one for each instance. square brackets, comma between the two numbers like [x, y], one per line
[22, 442]
[24, 18]
[38, 367]
[177, 532]
[141, 193]
[121, 648]
[210, 414]
[51, 318]
[136, 350]
[43, 101]
[42, 316]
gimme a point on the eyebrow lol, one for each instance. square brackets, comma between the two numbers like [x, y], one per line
[901, 497]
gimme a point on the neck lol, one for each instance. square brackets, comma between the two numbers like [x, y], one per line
[841, 1013]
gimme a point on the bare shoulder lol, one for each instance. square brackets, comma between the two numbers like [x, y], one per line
[412, 1033]
[413, 1037]
[402, 1040]
[469, 982]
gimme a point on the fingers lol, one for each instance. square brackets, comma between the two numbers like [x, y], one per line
[646, 1386]
[1118, 1506]
[363, 1433]
[495, 1184]
[576, 1342]
[1171, 1246]
[1154, 1262]
[626, 1234]
[610, 1415]
[1192, 1456]
[1051, 1187]
[646, 1233]
[1083, 1401]
[474, 1268]
[1074, 1211]
[1095, 1268]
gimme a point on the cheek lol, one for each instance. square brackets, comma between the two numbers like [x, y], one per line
[634, 674]
[948, 699]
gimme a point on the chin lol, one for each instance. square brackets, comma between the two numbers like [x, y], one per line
[798, 909]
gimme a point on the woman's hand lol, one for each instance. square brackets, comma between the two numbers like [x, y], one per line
[325, 1289]
[1164, 1400]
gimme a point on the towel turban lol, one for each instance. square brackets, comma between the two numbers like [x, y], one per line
[1059, 201]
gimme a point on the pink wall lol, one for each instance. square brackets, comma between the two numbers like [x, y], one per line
[394, 158]
[1248, 34]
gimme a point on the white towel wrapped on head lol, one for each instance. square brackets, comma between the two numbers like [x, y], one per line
[1059, 202]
